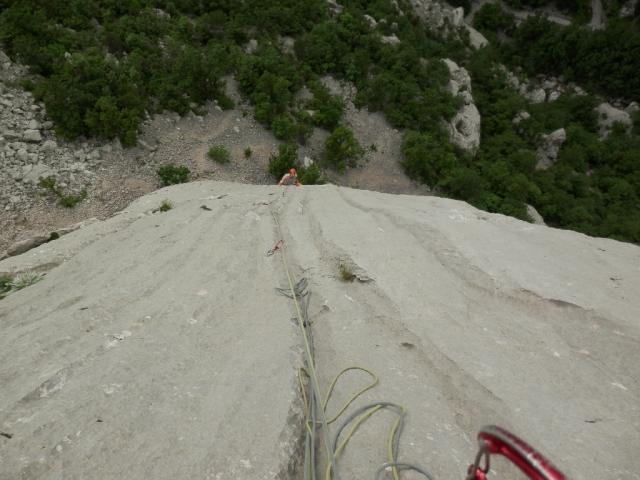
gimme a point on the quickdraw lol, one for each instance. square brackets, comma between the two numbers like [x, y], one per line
[497, 441]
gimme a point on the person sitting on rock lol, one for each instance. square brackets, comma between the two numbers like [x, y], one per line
[290, 178]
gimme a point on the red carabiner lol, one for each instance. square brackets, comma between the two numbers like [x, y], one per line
[497, 441]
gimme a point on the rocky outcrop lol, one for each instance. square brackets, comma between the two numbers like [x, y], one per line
[541, 89]
[476, 39]
[550, 145]
[444, 20]
[464, 127]
[628, 9]
[29, 149]
[608, 116]
[535, 217]
[436, 15]
[156, 341]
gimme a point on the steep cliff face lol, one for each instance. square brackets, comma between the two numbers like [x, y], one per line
[156, 347]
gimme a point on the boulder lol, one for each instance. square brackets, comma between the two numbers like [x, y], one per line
[22, 155]
[549, 147]
[476, 39]
[608, 116]
[49, 146]
[632, 108]
[371, 21]
[32, 136]
[464, 128]
[390, 39]
[554, 95]
[535, 217]
[537, 95]
[33, 173]
[521, 116]
[459, 78]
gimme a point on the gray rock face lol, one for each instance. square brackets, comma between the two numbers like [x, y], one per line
[608, 116]
[464, 128]
[159, 350]
[549, 147]
[439, 17]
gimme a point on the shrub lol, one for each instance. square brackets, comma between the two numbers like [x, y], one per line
[66, 200]
[428, 157]
[346, 273]
[24, 280]
[328, 108]
[70, 201]
[219, 154]
[165, 206]
[5, 285]
[248, 152]
[341, 149]
[311, 175]
[285, 159]
[172, 175]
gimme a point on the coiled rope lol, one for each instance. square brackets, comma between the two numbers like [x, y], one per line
[312, 397]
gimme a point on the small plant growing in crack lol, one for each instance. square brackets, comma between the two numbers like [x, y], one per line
[24, 280]
[346, 273]
[165, 206]
[9, 284]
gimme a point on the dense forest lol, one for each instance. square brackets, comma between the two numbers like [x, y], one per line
[101, 65]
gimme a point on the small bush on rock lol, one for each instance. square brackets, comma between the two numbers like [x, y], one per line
[172, 175]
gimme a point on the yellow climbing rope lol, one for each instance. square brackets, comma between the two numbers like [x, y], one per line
[315, 397]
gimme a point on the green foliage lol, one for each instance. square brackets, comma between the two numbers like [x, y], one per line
[70, 201]
[346, 273]
[219, 154]
[66, 200]
[248, 152]
[172, 175]
[328, 108]
[103, 67]
[281, 162]
[24, 280]
[286, 159]
[165, 206]
[427, 157]
[311, 175]
[579, 9]
[492, 18]
[341, 149]
[5, 285]
[605, 60]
